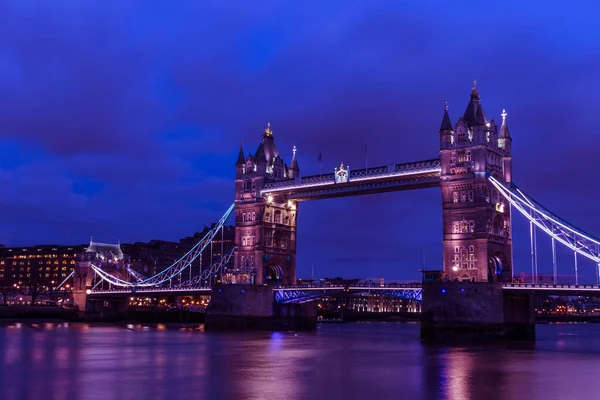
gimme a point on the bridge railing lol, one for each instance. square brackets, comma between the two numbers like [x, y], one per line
[357, 285]
[548, 286]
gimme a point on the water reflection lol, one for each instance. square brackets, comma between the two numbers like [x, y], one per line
[352, 361]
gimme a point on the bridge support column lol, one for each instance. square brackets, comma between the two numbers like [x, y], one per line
[252, 307]
[460, 310]
[81, 283]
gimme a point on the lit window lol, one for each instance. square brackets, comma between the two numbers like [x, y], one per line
[468, 155]
[455, 197]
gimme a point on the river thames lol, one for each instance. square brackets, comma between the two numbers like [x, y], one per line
[346, 361]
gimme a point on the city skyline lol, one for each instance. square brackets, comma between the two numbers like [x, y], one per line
[136, 138]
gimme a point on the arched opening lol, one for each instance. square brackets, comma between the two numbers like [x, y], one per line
[497, 269]
[273, 274]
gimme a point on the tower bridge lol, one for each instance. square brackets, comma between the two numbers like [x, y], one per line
[474, 173]
[476, 219]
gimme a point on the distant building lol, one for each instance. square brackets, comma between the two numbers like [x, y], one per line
[43, 266]
[152, 257]
[228, 241]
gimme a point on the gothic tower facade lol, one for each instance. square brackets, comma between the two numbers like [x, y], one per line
[265, 227]
[476, 219]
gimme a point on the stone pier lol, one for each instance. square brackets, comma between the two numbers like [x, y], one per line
[252, 307]
[461, 310]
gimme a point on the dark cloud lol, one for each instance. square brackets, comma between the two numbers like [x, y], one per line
[122, 120]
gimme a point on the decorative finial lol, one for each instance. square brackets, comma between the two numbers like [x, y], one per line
[504, 114]
[474, 83]
[241, 144]
[268, 131]
[294, 151]
[446, 105]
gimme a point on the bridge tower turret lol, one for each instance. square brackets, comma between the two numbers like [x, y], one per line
[265, 227]
[476, 220]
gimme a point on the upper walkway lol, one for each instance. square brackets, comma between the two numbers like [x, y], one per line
[385, 178]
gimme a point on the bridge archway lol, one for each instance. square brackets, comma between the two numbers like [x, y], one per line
[497, 268]
[273, 274]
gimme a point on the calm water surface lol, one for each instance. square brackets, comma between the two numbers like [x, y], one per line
[350, 361]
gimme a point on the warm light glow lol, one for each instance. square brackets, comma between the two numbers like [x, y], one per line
[500, 207]
[455, 268]
[270, 199]
[88, 291]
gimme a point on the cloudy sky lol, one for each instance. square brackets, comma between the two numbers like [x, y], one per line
[121, 119]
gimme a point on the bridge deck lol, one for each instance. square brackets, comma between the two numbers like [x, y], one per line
[558, 289]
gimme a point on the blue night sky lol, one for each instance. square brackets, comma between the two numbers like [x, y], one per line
[121, 119]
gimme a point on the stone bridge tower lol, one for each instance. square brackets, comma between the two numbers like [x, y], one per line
[265, 227]
[476, 219]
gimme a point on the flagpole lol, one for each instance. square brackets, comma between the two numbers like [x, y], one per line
[320, 163]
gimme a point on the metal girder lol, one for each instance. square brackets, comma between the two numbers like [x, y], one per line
[306, 294]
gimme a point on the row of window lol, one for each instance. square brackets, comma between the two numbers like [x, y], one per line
[37, 263]
[464, 226]
[21, 276]
[20, 269]
[249, 168]
[247, 261]
[250, 216]
[464, 259]
[23, 256]
[461, 155]
[277, 218]
[248, 186]
[277, 239]
[247, 240]
[463, 196]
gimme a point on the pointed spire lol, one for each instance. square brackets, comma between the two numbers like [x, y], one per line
[268, 131]
[474, 91]
[504, 128]
[474, 115]
[294, 165]
[241, 159]
[446, 124]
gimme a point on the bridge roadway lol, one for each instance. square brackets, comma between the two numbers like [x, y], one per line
[411, 291]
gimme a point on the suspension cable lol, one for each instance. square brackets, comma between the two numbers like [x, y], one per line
[557, 228]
